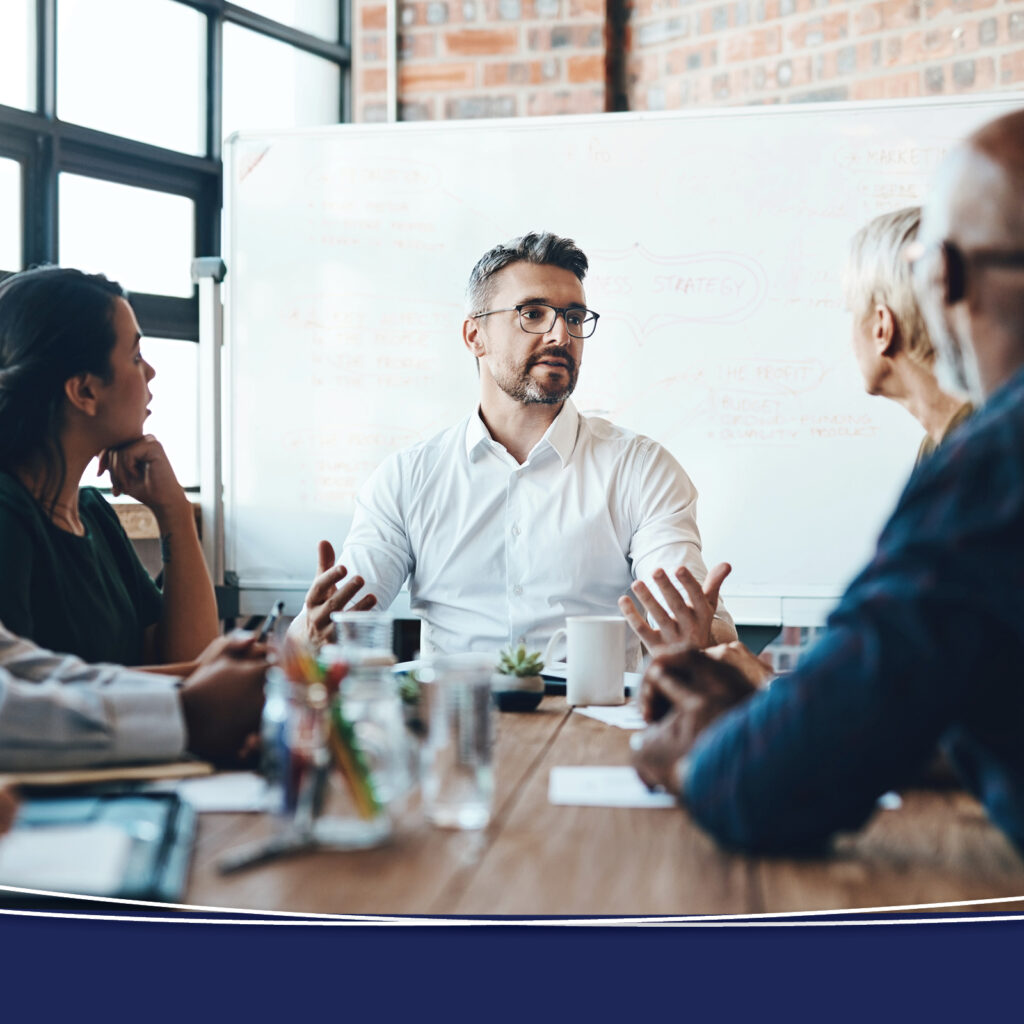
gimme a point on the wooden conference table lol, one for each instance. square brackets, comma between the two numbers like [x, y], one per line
[539, 859]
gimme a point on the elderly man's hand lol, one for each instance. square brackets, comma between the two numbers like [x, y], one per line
[677, 675]
[683, 692]
[756, 668]
[686, 617]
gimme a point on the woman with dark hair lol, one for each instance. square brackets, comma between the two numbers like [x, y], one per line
[73, 386]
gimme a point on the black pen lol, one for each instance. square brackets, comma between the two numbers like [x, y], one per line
[269, 622]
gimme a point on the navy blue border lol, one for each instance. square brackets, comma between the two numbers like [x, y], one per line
[134, 969]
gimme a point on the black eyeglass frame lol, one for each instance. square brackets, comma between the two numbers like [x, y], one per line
[591, 317]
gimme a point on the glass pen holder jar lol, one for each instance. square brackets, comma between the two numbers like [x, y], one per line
[334, 750]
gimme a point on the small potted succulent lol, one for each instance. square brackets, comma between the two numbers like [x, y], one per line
[518, 685]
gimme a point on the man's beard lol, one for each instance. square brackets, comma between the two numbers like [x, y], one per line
[520, 385]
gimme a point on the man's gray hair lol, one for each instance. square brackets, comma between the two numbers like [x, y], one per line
[542, 248]
[877, 273]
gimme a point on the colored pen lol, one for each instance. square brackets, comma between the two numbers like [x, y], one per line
[269, 621]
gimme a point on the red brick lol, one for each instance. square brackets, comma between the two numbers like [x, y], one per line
[753, 44]
[514, 73]
[373, 80]
[984, 74]
[942, 9]
[481, 42]
[435, 77]
[375, 17]
[417, 45]
[373, 48]
[1011, 68]
[888, 87]
[586, 69]
[831, 27]
[566, 101]
[582, 8]
[868, 18]
[901, 13]
[921, 47]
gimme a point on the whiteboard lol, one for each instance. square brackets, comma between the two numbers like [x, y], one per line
[716, 242]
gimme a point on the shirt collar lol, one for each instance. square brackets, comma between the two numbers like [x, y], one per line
[476, 435]
[561, 435]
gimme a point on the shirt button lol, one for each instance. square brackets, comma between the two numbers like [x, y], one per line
[517, 590]
[516, 531]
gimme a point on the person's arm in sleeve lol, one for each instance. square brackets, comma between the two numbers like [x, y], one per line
[56, 711]
[76, 725]
[863, 711]
[666, 536]
[375, 561]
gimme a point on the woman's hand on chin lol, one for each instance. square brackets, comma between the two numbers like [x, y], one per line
[142, 470]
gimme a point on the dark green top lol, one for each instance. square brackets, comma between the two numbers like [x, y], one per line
[88, 595]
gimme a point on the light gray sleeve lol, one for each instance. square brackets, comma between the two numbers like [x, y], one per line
[56, 711]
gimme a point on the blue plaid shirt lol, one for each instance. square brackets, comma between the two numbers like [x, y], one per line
[925, 648]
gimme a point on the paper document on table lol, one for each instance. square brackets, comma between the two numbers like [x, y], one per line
[224, 792]
[618, 786]
[84, 859]
[623, 716]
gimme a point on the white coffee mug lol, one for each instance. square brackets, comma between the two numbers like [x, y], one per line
[595, 659]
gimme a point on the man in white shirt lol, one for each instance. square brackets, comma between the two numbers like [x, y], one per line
[56, 711]
[525, 512]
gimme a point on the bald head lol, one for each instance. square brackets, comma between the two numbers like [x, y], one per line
[988, 203]
[971, 289]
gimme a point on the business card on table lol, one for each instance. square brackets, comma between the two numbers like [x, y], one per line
[223, 792]
[623, 716]
[616, 786]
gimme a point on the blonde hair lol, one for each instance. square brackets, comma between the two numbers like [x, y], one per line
[877, 273]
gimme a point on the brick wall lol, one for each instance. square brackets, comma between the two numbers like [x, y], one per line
[506, 58]
[482, 58]
[688, 53]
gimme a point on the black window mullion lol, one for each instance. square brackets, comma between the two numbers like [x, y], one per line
[39, 199]
[45, 146]
[214, 86]
[345, 38]
[46, 58]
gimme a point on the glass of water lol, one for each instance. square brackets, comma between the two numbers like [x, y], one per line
[457, 769]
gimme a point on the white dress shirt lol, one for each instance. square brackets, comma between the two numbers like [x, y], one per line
[498, 553]
[58, 712]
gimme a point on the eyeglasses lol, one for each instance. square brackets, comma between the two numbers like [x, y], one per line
[957, 261]
[539, 318]
[914, 252]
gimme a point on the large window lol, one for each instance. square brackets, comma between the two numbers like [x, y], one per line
[113, 115]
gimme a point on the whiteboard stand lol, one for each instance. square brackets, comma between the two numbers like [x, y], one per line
[208, 273]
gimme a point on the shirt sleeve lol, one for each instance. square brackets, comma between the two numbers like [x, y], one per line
[377, 547]
[918, 644]
[665, 512]
[58, 712]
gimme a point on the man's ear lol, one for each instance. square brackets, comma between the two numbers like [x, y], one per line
[80, 392]
[884, 332]
[471, 336]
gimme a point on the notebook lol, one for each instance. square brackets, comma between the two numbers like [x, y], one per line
[120, 844]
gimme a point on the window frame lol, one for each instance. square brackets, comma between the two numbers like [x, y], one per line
[45, 146]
